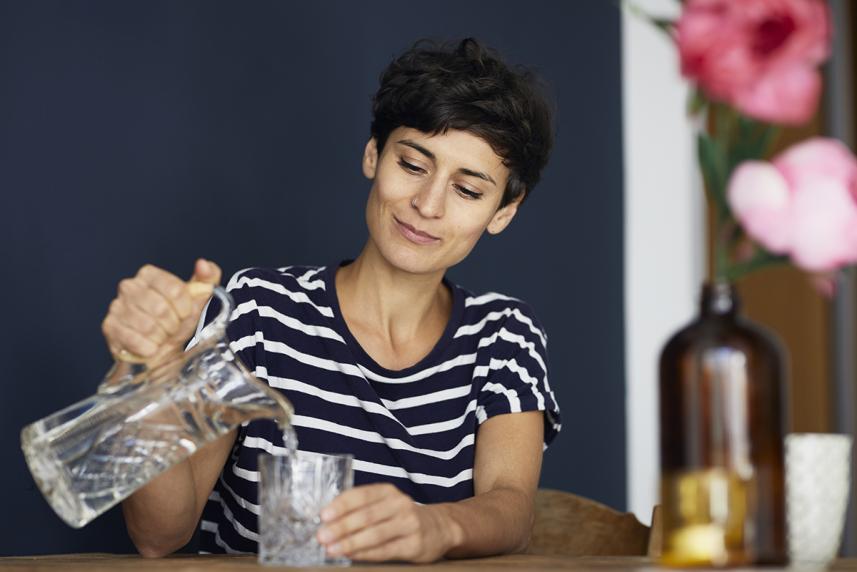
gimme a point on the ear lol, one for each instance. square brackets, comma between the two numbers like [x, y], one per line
[504, 216]
[370, 159]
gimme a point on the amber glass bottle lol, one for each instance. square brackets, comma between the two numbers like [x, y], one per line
[722, 423]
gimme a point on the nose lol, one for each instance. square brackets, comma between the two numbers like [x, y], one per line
[429, 201]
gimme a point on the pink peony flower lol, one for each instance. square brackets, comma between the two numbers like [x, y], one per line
[803, 203]
[758, 55]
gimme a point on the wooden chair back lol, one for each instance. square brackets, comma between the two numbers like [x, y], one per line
[570, 525]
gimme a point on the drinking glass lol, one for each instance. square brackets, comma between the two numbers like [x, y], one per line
[292, 492]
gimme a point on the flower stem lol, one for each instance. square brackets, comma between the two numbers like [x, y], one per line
[762, 259]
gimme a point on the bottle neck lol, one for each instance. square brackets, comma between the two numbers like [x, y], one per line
[719, 299]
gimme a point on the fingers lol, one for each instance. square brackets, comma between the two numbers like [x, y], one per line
[139, 320]
[121, 337]
[142, 322]
[171, 288]
[373, 535]
[357, 497]
[135, 294]
[370, 520]
[155, 310]
[358, 520]
[379, 522]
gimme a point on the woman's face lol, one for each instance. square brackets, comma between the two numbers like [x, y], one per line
[432, 197]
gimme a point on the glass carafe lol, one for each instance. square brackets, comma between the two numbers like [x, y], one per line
[91, 455]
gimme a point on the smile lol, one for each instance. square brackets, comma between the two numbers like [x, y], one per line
[414, 235]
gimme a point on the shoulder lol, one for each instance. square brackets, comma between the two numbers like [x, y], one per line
[287, 289]
[305, 277]
[255, 281]
[492, 312]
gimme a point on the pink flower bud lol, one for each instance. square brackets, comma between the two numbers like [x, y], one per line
[803, 204]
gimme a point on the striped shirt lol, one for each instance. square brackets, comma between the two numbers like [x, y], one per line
[415, 428]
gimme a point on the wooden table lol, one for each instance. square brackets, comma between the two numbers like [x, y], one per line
[194, 563]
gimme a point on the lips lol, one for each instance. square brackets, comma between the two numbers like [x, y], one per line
[415, 235]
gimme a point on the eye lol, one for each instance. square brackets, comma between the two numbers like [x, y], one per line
[410, 167]
[467, 193]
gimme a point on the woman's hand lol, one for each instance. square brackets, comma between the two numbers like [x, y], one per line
[379, 522]
[155, 313]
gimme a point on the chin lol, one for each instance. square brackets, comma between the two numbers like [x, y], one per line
[411, 261]
[413, 264]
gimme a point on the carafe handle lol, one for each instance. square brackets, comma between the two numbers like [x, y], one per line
[214, 330]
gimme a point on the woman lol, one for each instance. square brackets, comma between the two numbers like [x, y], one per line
[442, 396]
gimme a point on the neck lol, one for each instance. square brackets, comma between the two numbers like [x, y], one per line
[393, 303]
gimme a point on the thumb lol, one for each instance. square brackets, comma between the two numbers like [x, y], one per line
[206, 272]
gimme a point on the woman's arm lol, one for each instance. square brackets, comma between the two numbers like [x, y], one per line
[378, 522]
[162, 516]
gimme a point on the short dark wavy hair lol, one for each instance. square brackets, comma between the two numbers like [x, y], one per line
[436, 87]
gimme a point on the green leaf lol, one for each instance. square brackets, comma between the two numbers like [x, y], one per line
[725, 121]
[762, 259]
[662, 24]
[696, 103]
[767, 140]
[754, 139]
[712, 161]
[744, 145]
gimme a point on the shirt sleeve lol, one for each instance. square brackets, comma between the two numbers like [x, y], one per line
[514, 373]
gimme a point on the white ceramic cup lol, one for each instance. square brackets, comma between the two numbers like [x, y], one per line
[818, 476]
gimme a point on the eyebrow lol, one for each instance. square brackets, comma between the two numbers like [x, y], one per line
[463, 170]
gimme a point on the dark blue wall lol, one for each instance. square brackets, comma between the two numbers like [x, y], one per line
[159, 131]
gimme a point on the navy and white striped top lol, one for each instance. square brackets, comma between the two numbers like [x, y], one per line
[415, 428]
